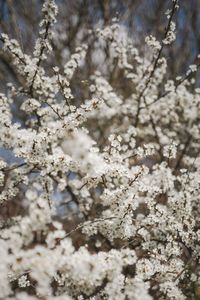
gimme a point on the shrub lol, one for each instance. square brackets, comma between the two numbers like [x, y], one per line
[103, 199]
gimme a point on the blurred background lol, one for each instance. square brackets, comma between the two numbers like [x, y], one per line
[20, 19]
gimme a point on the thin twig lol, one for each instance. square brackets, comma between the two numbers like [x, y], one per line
[155, 63]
